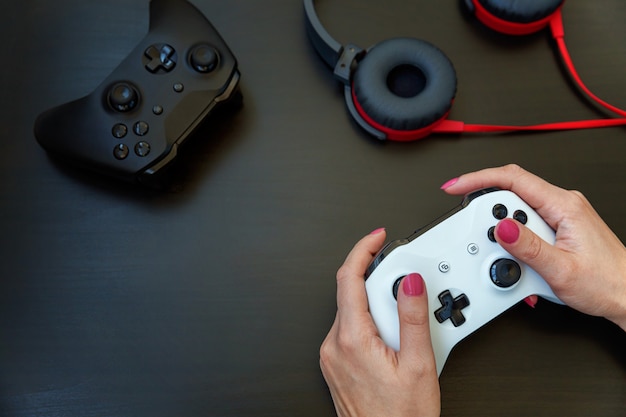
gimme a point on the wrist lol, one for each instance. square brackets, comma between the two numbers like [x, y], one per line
[621, 322]
[619, 302]
[620, 317]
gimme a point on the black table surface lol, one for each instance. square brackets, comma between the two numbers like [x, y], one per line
[212, 298]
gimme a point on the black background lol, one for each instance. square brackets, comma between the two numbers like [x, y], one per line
[212, 298]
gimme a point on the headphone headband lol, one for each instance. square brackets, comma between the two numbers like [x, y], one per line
[325, 45]
[335, 55]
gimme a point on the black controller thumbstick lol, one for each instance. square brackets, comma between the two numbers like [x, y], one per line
[204, 58]
[505, 272]
[123, 97]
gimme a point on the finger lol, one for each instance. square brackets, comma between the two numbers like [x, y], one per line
[536, 191]
[351, 295]
[531, 300]
[415, 343]
[521, 242]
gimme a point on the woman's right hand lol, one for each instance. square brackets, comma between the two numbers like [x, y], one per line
[586, 268]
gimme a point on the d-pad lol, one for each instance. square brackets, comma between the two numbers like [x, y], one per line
[451, 308]
[160, 57]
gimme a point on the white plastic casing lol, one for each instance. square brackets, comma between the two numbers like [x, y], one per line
[456, 254]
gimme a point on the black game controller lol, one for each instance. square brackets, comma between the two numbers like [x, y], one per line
[132, 125]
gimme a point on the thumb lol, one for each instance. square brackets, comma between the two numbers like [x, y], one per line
[525, 245]
[416, 348]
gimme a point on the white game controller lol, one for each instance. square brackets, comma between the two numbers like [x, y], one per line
[470, 279]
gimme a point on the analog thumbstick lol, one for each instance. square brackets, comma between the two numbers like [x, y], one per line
[204, 58]
[123, 97]
[505, 273]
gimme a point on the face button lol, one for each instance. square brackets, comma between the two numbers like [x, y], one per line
[119, 130]
[203, 58]
[520, 216]
[491, 233]
[451, 308]
[160, 57]
[123, 97]
[141, 128]
[505, 272]
[142, 148]
[499, 211]
[395, 287]
[120, 151]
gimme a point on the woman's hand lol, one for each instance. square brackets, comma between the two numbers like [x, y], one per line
[586, 267]
[365, 376]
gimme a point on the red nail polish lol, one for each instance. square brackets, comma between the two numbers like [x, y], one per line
[508, 231]
[449, 183]
[413, 285]
[377, 231]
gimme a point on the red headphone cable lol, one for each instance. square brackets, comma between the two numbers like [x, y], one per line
[558, 33]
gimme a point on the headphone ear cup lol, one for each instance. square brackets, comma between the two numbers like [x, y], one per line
[403, 84]
[515, 17]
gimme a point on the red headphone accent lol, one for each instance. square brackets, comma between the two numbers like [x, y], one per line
[394, 134]
[507, 27]
[558, 33]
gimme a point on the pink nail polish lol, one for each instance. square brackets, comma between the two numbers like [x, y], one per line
[508, 231]
[531, 300]
[449, 183]
[377, 231]
[413, 285]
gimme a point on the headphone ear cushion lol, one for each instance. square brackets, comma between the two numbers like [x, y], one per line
[404, 84]
[517, 11]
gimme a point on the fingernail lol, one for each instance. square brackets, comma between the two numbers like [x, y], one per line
[377, 231]
[413, 285]
[531, 300]
[507, 231]
[449, 183]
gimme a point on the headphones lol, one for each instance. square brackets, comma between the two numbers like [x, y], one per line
[402, 89]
